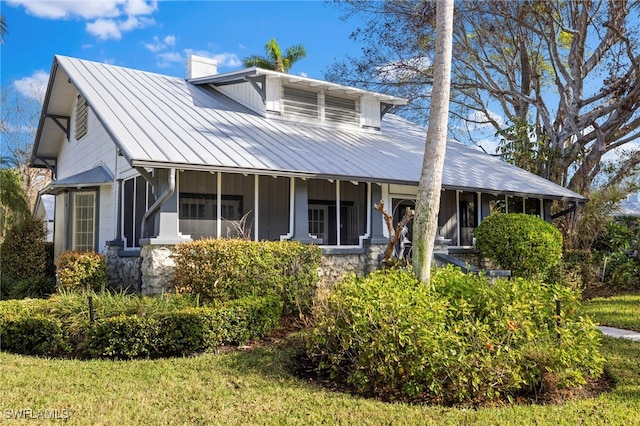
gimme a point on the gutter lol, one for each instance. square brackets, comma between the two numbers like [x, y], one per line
[161, 199]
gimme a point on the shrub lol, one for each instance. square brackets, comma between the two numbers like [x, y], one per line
[241, 320]
[122, 337]
[621, 270]
[130, 326]
[524, 244]
[32, 335]
[82, 271]
[458, 339]
[230, 269]
[25, 261]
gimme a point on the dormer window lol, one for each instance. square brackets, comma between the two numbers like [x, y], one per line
[81, 117]
[320, 106]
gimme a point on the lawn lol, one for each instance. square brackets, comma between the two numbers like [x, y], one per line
[256, 387]
[619, 311]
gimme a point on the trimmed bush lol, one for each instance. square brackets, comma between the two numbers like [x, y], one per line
[458, 339]
[524, 244]
[80, 271]
[32, 335]
[220, 270]
[129, 326]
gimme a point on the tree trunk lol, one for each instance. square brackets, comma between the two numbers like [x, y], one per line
[428, 201]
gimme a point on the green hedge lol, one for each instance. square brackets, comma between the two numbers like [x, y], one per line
[457, 339]
[524, 244]
[128, 326]
[81, 271]
[219, 270]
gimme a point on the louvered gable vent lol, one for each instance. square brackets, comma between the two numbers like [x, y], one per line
[341, 110]
[81, 117]
[300, 103]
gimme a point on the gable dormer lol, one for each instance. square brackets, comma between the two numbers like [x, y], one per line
[294, 98]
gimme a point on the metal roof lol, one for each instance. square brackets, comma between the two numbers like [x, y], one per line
[99, 175]
[162, 121]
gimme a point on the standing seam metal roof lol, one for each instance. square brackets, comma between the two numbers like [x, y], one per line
[163, 121]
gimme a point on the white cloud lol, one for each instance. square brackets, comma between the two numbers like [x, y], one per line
[404, 69]
[157, 45]
[66, 9]
[170, 40]
[478, 120]
[34, 86]
[110, 17]
[223, 59]
[104, 29]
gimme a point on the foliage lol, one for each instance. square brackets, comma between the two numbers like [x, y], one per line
[511, 60]
[576, 266]
[130, 326]
[82, 271]
[31, 334]
[594, 216]
[457, 339]
[14, 207]
[622, 270]
[526, 146]
[524, 244]
[257, 387]
[220, 270]
[26, 261]
[274, 59]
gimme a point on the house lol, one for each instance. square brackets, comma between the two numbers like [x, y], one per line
[143, 161]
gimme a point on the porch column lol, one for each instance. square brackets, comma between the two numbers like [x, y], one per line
[166, 219]
[301, 212]
[377, 222]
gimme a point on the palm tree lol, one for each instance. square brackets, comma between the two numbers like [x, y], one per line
[274, 59]
[428, 201]
[3, 28]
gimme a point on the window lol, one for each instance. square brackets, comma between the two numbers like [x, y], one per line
[81, 117]
[318, 215]
[204, 206]
[83, 221]
[137, 198]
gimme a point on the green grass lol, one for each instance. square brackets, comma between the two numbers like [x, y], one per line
[256, 388]
[617, 311]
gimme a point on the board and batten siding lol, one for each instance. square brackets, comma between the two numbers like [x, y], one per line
[245, 94]
[370, 113]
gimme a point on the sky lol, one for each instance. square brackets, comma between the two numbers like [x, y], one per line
[158, 36]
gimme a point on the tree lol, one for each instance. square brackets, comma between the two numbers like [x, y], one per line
[3, 29]
[14, 207]
[569, 70]
[18, 124]
[274, 60]
[425, 223]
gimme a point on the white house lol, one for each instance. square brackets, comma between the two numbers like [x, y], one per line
[143, 161]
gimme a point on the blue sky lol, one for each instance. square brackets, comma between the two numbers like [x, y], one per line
[159, 36]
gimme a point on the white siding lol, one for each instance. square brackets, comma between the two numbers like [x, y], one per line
[274, 94]
[76, 156]
[370, 110]
[245, 94]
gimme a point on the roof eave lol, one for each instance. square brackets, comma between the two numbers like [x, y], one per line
[45, 107]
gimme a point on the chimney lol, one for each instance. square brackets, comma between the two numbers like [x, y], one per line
[199, 66]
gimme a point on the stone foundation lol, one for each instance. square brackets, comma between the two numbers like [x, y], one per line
[123, 269]
[157, 269]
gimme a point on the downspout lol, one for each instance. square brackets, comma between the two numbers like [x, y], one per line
[159, 201]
